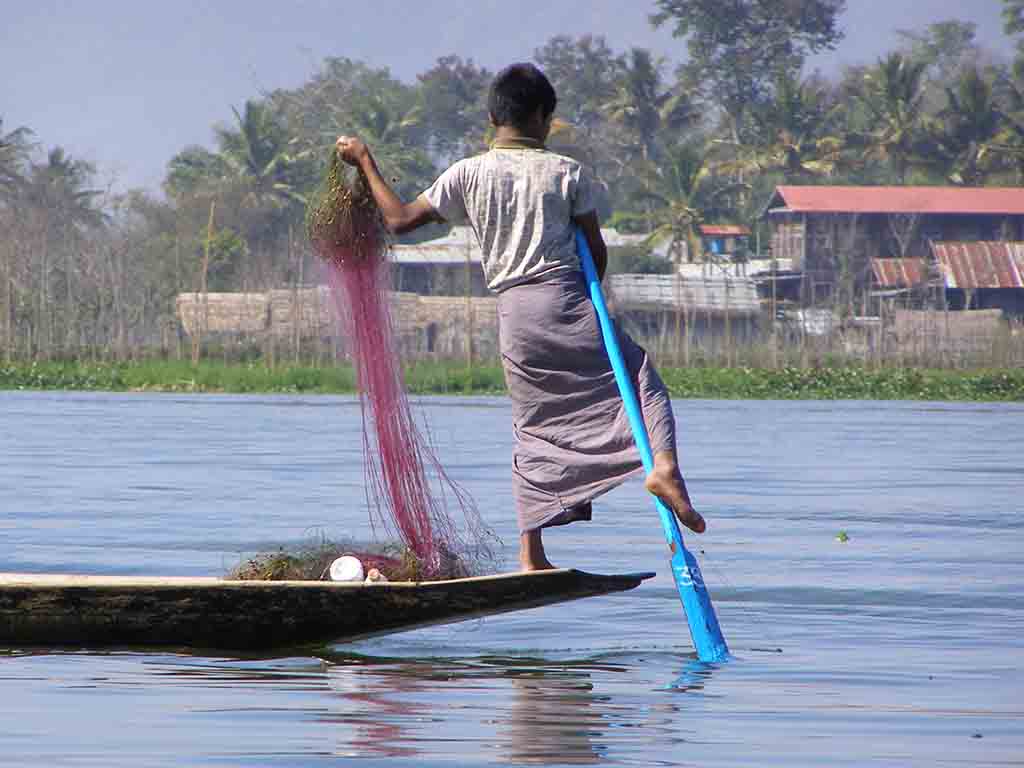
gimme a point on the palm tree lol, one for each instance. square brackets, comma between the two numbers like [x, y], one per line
[793, 133]
[258, 152]
[57, 199]
[678, 194]
[14, 151]
[1009, 141]
[386, 120]
[645, 109]
[968, 129]
[257, 181]
[892, 95]
[1013, 24]
[256, 156]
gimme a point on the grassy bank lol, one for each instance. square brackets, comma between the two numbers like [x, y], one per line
[833, 383]
[214, 376]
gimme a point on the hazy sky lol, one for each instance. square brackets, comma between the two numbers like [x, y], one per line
[128, 83]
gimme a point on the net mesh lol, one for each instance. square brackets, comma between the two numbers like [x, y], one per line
[346, 231]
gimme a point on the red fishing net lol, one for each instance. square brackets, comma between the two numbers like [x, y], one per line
[347, 233]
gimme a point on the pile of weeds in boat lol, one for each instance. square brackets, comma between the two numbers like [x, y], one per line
[312, 562]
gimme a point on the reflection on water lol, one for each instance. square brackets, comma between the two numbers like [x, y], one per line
[530, 710]
[554, 717]
[375, 708]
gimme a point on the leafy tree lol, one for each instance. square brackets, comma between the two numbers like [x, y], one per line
[227, 253]
[943, 47]
[348, 97]
[636, 260]
[194, 170]
[737, 48]
[452, 98]
[585, 73]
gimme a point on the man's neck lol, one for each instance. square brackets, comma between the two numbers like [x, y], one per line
[507, 134]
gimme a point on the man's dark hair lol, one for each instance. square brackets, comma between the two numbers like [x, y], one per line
[517, 92]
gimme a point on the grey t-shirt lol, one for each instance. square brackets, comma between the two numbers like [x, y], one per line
[520, 204]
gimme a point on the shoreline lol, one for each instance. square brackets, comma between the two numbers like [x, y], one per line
[455, 378]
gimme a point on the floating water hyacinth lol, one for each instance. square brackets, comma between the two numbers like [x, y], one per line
[347, 232]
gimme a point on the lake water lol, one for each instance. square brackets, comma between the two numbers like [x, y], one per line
[903, 645]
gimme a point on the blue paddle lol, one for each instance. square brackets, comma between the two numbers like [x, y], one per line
[700, 614]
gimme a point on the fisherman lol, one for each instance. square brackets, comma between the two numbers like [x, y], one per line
[524, 203]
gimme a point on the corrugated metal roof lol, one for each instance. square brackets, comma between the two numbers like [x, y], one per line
[981, 265]
[723, 230]
[898, 273]
[733, 296]
[943, 200]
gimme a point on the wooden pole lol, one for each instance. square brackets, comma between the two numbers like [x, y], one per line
[469, 315]
[203, 325]
[296, 300]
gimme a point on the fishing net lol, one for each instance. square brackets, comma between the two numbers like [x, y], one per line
[346, 231]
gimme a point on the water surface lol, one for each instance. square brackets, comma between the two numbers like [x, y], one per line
[901, 646]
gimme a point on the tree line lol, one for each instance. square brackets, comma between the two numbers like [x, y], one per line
[84, 271]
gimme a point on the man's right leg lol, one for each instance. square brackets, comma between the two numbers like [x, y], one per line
[531, 552]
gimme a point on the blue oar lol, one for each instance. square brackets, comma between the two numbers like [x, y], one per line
[700, 614]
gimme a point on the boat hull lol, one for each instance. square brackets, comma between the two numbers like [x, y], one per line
[116, 611]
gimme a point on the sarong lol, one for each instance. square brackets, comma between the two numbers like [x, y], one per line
[572, 436]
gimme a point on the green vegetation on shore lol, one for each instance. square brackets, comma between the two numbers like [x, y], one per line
[451, 377]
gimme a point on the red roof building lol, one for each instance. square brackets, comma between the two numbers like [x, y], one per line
[980, 201]
[723, 230]
[898, 273]
[833, 234]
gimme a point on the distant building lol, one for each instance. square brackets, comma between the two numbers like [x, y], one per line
[729, 241]
[439, 267]
[832, 234]
[970, 275]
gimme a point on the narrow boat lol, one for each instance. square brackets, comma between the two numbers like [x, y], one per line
[59, 610]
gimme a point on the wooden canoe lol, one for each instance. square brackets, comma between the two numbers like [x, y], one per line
[103, 611]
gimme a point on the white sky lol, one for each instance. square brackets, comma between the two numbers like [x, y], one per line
[128, 83]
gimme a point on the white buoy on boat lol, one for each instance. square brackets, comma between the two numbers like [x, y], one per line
[347, 568]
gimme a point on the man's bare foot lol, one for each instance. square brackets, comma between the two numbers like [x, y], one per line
[531, 552]
[666, 482]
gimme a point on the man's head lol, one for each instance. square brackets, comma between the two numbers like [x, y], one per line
[521, 94]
